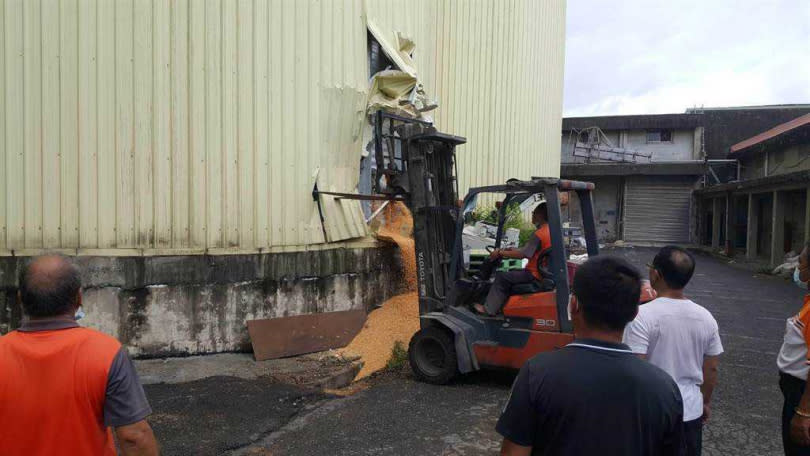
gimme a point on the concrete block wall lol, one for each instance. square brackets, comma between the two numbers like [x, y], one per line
[185, 305]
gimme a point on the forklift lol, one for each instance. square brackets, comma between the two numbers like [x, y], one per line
[417, 164]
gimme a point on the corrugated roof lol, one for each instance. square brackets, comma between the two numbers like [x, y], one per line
[770, 134]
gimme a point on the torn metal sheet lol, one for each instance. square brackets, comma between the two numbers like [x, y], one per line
[391, 90]
[341, 137]
[393, 46]
[290, 336]
[397, 91]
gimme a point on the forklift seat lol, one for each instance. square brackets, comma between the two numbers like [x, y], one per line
[536, 286]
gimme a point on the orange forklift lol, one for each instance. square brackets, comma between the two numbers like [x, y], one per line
[417, 164]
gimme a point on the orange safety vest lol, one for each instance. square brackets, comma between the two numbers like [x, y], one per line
[52, 390]
[544, 235]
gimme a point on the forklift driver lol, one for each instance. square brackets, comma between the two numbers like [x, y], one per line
[499, 292]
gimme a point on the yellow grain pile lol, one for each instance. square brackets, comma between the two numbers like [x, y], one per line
[398, 318]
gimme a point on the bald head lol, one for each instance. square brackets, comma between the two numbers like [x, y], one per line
[49, 287]
[676, 266]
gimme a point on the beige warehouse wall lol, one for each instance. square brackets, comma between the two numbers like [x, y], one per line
[185, 126]
[176, 124]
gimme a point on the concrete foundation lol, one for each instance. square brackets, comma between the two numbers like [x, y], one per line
[185, 305]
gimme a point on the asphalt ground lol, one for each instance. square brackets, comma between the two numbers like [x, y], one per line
[398, 416]
[216, 414]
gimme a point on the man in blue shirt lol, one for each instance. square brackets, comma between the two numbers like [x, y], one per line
[594, 396]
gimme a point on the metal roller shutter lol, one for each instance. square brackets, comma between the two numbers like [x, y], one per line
[657, 208]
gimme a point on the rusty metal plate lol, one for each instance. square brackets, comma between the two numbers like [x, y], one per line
[289, 336]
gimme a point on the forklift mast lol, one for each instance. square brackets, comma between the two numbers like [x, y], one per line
[418, 163]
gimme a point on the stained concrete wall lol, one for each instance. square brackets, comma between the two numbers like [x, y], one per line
[606, 208]
[682, 146]
[181, 305]
[789, 160]
[780, 161]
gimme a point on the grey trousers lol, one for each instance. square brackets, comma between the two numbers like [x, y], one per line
[499, 292]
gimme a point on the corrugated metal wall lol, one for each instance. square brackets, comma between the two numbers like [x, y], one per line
[184, 125]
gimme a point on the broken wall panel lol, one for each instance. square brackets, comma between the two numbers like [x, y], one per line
[496, 69]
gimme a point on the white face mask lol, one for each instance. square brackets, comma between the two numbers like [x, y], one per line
[79, 314]
[798, 280]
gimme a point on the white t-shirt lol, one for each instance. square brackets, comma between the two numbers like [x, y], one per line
[676, 334]
[792, 357]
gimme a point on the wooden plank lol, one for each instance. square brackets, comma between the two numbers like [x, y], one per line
[230, 111]
[180, 132]
[87, 128]
[290, 336]
[106, 132]
[198, 185]
[69, 115]
[213, 121]
[32, 93]
[161, 125]
[246, 145]
[143, 103]
[51, 174]
[125, 190]
[261, 117]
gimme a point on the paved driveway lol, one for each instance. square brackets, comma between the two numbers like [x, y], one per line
[399, 416]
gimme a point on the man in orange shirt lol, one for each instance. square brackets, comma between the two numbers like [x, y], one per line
[63, 387]
[794, 364]
[499, 292]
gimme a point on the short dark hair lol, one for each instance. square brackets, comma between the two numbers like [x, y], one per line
[676, 266]
[51, 294]
[541, 209]
[608, 289]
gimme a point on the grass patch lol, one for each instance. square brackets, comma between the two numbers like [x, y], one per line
[399, 357]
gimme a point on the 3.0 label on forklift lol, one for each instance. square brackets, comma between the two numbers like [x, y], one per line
[551, 323]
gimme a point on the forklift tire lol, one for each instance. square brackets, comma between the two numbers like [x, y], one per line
[432, 355]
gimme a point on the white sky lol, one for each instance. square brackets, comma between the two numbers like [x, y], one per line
[662, 56]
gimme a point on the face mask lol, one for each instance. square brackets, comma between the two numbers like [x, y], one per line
[798, 280]
[79, 314]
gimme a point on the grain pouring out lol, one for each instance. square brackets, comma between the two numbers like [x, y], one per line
[398, 318]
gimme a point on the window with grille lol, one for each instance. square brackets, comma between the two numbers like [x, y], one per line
[659, 136]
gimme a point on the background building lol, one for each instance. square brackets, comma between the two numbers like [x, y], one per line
[765, 212]
[174, 146]
[647, 167]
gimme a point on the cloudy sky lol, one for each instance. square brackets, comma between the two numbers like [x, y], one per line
[662, 56]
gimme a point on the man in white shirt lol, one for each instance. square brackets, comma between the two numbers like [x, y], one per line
[680, 337]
